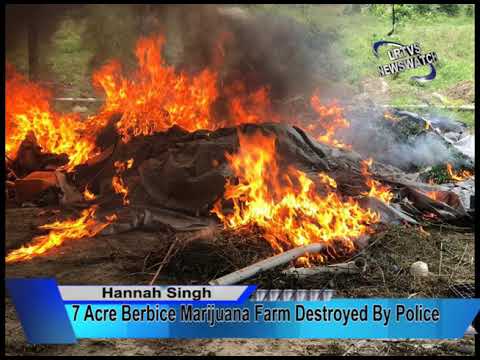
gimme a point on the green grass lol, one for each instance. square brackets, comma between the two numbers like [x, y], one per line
[67, 59]
[452, 38]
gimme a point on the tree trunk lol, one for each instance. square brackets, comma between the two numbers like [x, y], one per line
[32, 35]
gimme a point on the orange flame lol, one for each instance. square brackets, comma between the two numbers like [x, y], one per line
[117, 181]
[434, 195]
[423, 231]
[458, 176]
[332, 120]
[377, 189]
[60, 231]
[88, 195]
[111, 218]
[156, 97]
[27, 110]
[286, 206]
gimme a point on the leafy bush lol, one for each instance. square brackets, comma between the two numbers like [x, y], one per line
[449, 9]
[423, 9]
[412, 10]
[469, 9]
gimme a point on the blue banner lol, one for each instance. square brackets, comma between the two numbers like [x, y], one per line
[47, 318]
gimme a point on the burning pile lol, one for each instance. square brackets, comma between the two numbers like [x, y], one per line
[286, 205]
[170, 116]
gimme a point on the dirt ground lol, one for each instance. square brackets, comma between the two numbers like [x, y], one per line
[122, 259]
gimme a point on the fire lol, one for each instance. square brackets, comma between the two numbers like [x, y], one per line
[434, 195]
[88, 195]
[27, 111]
[152, 99]
[155, 97]
[286, 205]
[423, 231]
[459, 176]
[332, 120]
[60, 231]
[111, 218]
[117, 181]
[247, 107]
[377, 189]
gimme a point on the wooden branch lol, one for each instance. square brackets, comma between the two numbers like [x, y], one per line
[165, 259]
[267, 264]
[181, 241]
[352, 267]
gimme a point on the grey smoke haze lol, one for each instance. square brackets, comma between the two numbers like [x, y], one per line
[262, 49]
[370, 137]
[426, 150]
[259, 48]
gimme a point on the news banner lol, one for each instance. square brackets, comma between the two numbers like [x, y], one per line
[59, 314]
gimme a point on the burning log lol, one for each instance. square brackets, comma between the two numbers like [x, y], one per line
[267, 264]
[28, 188]
[425, 203]
[30, 158]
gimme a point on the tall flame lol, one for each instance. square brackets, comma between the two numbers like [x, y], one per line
[27, 110]
[156, 97]
[60, 231]
[286, 205]
[152, 99]
[332, 120]
[118, 184]
[377, 189]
